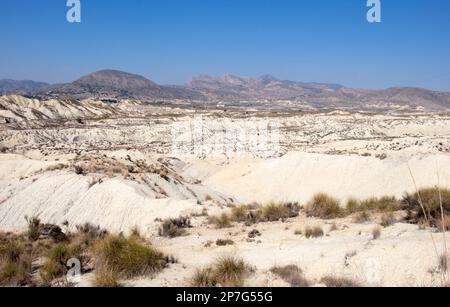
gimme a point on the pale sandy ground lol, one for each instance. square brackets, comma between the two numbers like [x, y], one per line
[338, 154]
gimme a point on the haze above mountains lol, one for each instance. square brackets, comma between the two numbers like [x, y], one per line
[117, 85]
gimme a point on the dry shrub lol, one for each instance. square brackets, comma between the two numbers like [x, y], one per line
[221, 221]
[431, 200]
[3, 149]
[224, 242]
[314, 232]
[106, 279]
[172, 228]
[324, 206]
[376, 232]
[34, 226]
[388, 219]
[339, 282]
[272, 212]
[127, 257]
[275, 212]
[227, 271]
[362, 217]
[15, 262]
[291, 274]
[373, 204]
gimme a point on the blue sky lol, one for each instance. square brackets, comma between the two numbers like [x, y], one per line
[169, 41]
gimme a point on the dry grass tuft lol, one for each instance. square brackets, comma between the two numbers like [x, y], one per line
[227, 271]
[175, 227]
[362, 217]
[127, 257]
[324, 206]
[106, 279]
[431, 199]
[291, 274]
[222, 221]
[388, 219]
[376, 232]
[314, 232]
[339, 282]
[224, 242]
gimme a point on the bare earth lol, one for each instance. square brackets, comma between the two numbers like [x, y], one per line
[133, 175]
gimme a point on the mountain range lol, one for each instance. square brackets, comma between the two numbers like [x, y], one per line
[117, 85]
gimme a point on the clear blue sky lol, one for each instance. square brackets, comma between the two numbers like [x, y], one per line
[169, 41]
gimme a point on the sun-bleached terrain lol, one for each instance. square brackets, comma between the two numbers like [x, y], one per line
[123, 165]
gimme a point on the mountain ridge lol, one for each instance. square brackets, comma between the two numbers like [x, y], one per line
[113, 85]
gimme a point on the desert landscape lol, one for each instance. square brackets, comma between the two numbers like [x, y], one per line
[226, 181]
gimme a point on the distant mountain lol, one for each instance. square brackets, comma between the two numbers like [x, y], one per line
[264, 87]
[267, 91]
[8, 86]
[114, 84]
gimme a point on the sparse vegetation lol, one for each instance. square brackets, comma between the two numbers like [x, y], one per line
[224, 242]
[221, 221]
[106, 279]
[324, 206]
[373, 204]
[127, 257]
[362, 217]
[376, 232]
[388, 219]
[227, 271]
[314, 232]
[339, 282]
[175, 227]
[443, 262]
[275, 212]
[252, 214]
[431, 199]
[291, 274]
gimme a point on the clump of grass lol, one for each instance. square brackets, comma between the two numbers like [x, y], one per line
[362, 217]
[376, 232]
[291, 274]
[227, 271]
[388, 219]
[34, 227]
[314, 232]
[240, 214]
[55, 265]
[127, 257]
[324, 206]
[382, 204]
[224, 242]
[221, 221]
[443, 262]
[205, 277]
[106, 279]
[15, 262]
[174, 227]
[431, 199]
[339, 282]
[298, 232]
[275, 212]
